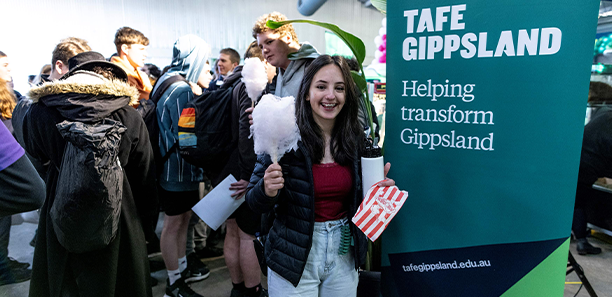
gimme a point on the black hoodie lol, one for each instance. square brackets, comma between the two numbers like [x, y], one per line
[242, 160]
[596, 154]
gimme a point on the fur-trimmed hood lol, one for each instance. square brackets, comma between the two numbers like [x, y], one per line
[115, 88]
[81, 101]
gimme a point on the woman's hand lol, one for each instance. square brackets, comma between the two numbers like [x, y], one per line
[387, 182]
[273, 180]
[250, 112]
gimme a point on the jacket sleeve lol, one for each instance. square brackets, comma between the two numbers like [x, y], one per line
[256, 196]
[22, 189]
[245, 144]
[140, 169]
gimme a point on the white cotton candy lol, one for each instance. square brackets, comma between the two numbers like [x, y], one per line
[274, 128]
[254, 77]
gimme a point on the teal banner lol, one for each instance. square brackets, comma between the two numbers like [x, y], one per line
[485, 112]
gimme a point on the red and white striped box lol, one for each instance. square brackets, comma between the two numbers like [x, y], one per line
[378, 208]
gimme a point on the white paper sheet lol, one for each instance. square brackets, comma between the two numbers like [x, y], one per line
[218, 204]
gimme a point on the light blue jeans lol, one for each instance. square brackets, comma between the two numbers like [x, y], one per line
[326, 274]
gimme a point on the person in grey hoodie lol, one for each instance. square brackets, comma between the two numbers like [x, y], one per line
[282, 49]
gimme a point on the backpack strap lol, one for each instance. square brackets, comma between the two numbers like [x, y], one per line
[233, 84]
[169, 152]
[155, 98]
[164, 86]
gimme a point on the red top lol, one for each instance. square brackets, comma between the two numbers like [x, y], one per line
[332, 187]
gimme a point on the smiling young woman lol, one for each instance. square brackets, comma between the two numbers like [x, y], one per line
[315, 190]
[326, 110]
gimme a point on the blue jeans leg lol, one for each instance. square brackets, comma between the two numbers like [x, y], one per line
[326, 273]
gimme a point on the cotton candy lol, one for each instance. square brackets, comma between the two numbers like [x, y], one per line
[275, 130]
[254, 77]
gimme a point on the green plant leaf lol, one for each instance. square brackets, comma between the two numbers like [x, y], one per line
[353, 42]
[356, 46]
[359, 80]
[381, 5]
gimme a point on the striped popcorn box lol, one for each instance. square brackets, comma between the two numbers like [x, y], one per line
[378, 208]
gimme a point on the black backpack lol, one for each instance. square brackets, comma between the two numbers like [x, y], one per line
[148, 111]
[86, 211]
[205, 129]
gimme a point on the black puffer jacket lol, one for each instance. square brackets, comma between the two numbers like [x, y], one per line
[290, 238]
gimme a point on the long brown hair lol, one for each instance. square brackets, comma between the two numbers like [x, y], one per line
[7, 100]
[347, 135]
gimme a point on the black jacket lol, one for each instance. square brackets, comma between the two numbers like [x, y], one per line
[22, 189]
[121, 268]
[290, 239]
[234, 163]
[596, 154]
[242, 159]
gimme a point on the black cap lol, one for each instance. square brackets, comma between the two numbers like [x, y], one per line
[87, 61]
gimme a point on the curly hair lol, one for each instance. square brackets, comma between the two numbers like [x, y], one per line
[7, 101]
[68, 48]
[129, 36]
[260, 25]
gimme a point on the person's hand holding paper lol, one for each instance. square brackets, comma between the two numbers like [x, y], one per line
[219, 204]
[239, 188]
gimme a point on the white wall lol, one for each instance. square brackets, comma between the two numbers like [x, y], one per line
[31, 29]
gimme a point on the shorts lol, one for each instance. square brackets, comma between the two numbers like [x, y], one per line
[248, 221]
[176, 203]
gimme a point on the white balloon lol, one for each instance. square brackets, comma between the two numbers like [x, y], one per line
[384, 22]
[375, 61]
[382, 31]
[378, 40]
[377, 54]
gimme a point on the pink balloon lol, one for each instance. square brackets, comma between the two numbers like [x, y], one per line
[382, 47]
[384, 38]
[384, 52]
[383, 59]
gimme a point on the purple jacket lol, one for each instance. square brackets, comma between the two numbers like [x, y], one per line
[10, 150]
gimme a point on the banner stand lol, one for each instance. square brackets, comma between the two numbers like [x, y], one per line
[573, 266]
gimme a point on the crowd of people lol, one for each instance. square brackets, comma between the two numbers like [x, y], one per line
[111, 126]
